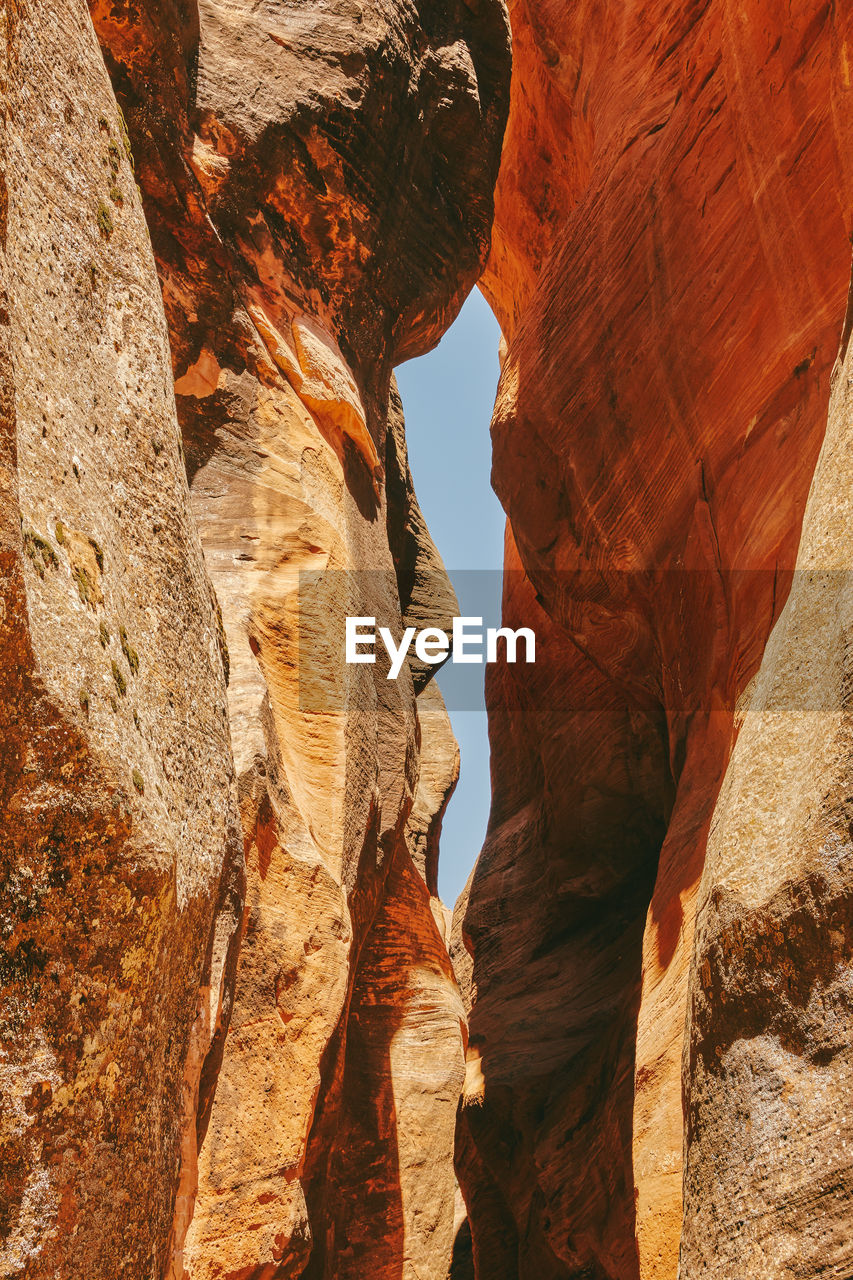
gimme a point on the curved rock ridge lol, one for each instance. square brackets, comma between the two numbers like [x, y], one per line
[121, 859]
[318, 181]
[669, 267]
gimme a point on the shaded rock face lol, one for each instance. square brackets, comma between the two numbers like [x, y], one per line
[670, 267]
[121, 857]
[318, 184]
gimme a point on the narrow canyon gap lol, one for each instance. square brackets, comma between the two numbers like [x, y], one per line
[448, 395]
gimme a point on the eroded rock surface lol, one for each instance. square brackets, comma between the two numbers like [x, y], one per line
[670, 268]
[318, 183]
[768, 1054]
[120, 849]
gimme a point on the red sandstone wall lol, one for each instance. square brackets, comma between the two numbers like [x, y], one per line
[670, 268]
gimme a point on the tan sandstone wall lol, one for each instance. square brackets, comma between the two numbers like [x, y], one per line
[120, 853]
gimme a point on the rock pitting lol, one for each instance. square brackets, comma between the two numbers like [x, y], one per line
[121, 861]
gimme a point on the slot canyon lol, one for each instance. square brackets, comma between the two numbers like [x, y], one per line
[241, 1036]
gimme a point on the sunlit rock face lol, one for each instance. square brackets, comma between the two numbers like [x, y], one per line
[670, 267]
[318, 184]
[121, 856]
[342, 158]
[769, 1018]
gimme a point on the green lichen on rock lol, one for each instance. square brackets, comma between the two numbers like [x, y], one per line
[114, 152]
[104, 634]
[98, 550]
[138, 782]
[84, 585]
[39, 550]
[84, 700]
[120, 682]
[105, 220]
[129, 651]
[125, 137]
[60, 533]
